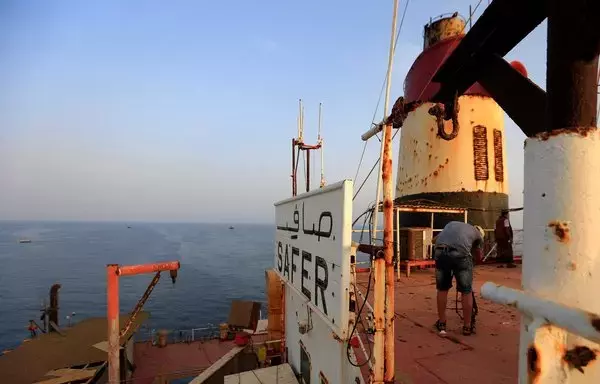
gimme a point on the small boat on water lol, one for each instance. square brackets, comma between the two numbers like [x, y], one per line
[24, 241]
[230, 227]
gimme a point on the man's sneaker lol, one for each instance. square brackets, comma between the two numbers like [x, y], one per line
[469, 330]
[441, 327]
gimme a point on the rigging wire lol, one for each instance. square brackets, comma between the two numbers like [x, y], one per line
[382, 88]
[368, 214]
[371, 171]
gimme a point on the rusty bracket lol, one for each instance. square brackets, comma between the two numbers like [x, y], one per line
[447, 111]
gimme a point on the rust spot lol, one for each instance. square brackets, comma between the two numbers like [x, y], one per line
[595, 320]
[447, 160]
[435, 173]
[533, 363]
[431, 129]
[571, 266]
[561, 230]
[581, 131]
[579, 357]
[387, 204]
[543, 195]
[429, 156]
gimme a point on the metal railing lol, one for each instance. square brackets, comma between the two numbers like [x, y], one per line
[204, 333]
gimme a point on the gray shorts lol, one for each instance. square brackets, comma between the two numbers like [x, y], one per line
[450, 263]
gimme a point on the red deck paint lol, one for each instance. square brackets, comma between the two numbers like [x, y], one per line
[187, 359]
[490, 356]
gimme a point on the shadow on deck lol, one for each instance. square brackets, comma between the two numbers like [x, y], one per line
[421, 356]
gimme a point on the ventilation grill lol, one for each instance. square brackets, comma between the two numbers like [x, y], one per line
[498, 164]
[480, 153]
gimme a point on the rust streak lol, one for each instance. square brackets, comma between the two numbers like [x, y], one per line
[561, 230]
[595, 320]
[581, 131]
[533, 364]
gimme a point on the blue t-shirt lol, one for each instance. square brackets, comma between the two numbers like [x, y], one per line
[461, 236]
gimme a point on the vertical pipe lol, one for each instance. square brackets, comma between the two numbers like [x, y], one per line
[398, 244]
[320, 142]
[112, 311]
[300, 130]
[560, 242]
[283, 344]
[388, 250]
[383, 368]
[293, 167]
[307, 170]
[430, 247]
[470, 17]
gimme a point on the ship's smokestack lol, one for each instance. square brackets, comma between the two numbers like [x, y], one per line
[456, 158]
[443, 29]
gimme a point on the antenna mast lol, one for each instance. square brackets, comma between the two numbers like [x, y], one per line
[320, 144]
[299, 145]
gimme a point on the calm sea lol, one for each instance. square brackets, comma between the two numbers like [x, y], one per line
[218, 265]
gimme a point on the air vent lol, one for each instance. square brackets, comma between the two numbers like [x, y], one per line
[498, 163]
[480, 153]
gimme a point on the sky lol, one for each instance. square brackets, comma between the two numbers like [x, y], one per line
[184, 110]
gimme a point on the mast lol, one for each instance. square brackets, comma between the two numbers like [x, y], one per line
[298, 143]
[320, 143]
[384, 308]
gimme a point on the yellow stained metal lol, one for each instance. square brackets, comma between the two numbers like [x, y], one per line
[443, 29]
[428, 163]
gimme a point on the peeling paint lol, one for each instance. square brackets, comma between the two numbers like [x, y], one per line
[581, 131]
[561, 230]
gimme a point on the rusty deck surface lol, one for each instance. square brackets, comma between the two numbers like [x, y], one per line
[421, 356]
[179, 360]
[76, 347]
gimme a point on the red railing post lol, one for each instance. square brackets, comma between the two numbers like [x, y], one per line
[112, 311]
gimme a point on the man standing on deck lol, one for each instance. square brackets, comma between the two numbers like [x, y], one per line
[452, 253]
[504, 240]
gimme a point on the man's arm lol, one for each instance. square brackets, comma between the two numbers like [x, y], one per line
[508, 230]
[477, 249]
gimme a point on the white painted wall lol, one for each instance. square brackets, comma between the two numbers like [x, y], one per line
[327, 355]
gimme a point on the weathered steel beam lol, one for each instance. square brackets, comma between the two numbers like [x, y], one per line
[573, 46]
[518, 96]
[500, 28]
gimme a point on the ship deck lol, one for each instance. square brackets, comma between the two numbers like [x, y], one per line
[422, 356]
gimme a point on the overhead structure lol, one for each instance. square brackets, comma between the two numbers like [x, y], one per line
[561, 262]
